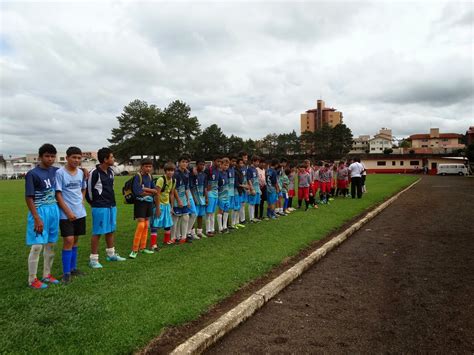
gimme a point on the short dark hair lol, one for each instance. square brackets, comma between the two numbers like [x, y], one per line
[240, 160]
[73, 150]
[357, 160]
[199, 161]
[242, 153]
[146, 161]
[287, 171]
[47, 148]
[283, 160]
[274, 162]
[169, 166]
[255, 158]
[183, 157]
[103, 154]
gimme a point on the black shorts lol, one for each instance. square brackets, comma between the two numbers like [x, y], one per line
[72, 228]
[142, 209]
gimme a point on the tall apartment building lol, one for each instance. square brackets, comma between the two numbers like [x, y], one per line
[314, 119]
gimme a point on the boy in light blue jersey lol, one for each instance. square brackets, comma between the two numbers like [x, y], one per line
[231, 190]
[198, 184]
[238, 193]
[181, 203]
[244, 196]
[223, 196]
[273, 189]
[70, 189]
[254, 188]
[280, 208]
[212, 193]
[43, 216]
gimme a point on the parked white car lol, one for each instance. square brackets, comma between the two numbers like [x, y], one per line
[457, 169]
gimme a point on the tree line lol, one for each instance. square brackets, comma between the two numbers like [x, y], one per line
[148, 130]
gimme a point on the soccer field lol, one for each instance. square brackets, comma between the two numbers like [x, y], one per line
[121, 307]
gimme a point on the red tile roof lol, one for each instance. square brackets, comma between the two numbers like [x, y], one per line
[441, 135]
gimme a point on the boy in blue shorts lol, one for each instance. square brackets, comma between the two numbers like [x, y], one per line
[273, 189]
[199, 193]
[101, 196]
[254, 188]
[43, 216]
[242, 163]
[165, 186]
[212, 194]
[193, 213]
[238, 192]
[182, 203]
[70, 189]
[231, 191]
[144, 191]
[223, 196]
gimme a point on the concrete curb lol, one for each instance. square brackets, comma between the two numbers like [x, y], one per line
[203, 339]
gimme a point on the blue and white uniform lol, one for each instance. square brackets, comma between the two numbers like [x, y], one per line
[198, 184]
[40, 185]
[252, 177]
[272, 182]
[182, 187]
[212, 193]
[224, 193]
[71, 187]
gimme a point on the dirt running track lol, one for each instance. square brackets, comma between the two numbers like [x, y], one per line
[403, 284]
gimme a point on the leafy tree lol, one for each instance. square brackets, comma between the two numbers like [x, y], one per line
[234, 145]
[211, 143]
[388, 151]
[147, 130]
[405, 144]
[341, 141]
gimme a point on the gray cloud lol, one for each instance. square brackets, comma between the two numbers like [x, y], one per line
[252, 68]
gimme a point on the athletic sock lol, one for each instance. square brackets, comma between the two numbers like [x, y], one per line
[208, 223]
[225, 219]
[33, 260]
[167, 236]
[213, 223]
[299, 203]
[242, 213]
[66, 257]
[184, 225]
[74, 259]
[153, 239]
[251, 212]
[48, 255]
[144, 235]
[110, 251]
[138, 235]
[192, 219]
[219, 222]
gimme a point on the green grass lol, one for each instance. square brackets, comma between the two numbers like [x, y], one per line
[122, 307]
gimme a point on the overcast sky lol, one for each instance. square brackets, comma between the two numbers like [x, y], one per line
[68, 69]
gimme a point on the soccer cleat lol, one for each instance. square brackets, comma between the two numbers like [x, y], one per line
[38, 285]
[189, 238]
[155, 248]
[133, 255]
[231, 228]
[147, 251]
[95, 265]
[66, 279]
[77, 273]
[225, 231]
[210, 234]
[240, 225]
[273, 217]
[170, 242]
[50, 280]
[196, 237]
[201, 235]
[115, 257]
[181, 241]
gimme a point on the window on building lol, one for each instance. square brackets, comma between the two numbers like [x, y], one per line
[380, 148]
[372, 148]
[424, 140]
[414, 162]
[393, 163]
[401, 162]
[445, 139]
[381, 163]
[424, 146]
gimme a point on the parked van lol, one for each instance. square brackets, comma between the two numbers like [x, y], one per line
[458, 169]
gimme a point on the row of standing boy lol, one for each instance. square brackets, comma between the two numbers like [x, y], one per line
[173, 202]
